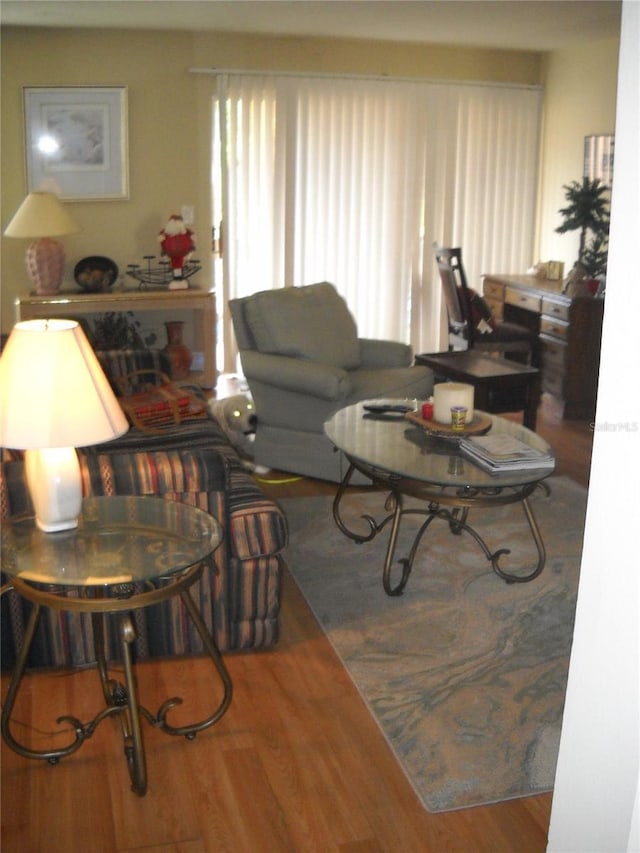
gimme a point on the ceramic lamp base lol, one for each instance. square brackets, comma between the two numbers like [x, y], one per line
[55, 486]
[45, 265]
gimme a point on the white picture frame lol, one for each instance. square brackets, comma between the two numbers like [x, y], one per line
[76, 141]
[598, 158]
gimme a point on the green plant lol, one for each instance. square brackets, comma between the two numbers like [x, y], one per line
[594, 257]
[587, 211]
[116, 330]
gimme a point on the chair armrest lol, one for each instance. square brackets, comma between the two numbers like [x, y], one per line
[377, 353]
[310, 378]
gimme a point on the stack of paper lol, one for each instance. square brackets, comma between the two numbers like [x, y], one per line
[499, 452]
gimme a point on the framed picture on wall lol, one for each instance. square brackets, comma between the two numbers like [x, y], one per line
[598, 158]
[76, 141]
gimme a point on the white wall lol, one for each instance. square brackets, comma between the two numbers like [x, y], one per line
[595, 803]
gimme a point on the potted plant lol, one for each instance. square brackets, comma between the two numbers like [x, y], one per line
[587, 211]
[117, 330]
[594, 257]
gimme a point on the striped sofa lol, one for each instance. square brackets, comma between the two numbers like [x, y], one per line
[239, 595]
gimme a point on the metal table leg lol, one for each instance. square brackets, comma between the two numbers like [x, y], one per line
[455, 512]
[120, 699]
[82, 732]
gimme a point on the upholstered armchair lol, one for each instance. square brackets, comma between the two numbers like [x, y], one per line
[303, 360]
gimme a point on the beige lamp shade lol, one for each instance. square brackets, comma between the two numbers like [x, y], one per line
[54, 397]
[43, 216]
[53, 391]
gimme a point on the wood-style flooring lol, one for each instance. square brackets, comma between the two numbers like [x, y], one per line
[297, 764]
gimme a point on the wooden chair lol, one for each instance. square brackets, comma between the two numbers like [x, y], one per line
[470, 323]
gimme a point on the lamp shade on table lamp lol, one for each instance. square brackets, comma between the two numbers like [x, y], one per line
[54, 397]
[43, 216]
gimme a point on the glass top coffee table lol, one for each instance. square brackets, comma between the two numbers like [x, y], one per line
[404, 458]
[126, 553]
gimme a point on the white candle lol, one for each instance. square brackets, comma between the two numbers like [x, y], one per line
[448, 394]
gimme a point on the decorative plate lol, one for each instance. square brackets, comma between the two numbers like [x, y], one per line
[480, 424]
[95, 273]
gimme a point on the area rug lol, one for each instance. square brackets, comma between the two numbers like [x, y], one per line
[465, 674]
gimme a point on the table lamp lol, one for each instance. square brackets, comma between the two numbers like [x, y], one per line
[43, 216]
[54, 397]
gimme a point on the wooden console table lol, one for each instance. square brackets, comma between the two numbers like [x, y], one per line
[568, 330]
[74, 304]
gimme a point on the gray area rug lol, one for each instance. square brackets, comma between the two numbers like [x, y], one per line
[465, 674]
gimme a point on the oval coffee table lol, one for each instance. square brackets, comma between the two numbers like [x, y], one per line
[402, 457]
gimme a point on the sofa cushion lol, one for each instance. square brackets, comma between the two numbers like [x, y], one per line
[140, 463]
[311, 322]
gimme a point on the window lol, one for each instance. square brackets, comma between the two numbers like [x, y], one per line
[352, 180]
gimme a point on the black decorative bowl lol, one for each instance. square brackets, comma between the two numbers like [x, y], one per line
[95, 273]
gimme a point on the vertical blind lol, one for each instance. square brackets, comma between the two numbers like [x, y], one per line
[352, 180]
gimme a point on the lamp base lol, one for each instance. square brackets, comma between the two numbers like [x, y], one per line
[45, 265]
[55, 486]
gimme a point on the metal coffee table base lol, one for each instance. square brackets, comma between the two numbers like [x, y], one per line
[447, 503]
[120, 699]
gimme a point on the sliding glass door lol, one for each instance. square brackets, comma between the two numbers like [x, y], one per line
[352, 180]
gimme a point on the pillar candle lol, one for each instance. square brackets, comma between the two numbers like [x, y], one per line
[448, 394]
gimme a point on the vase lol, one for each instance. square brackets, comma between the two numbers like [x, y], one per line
[179, 353]
[45, 265]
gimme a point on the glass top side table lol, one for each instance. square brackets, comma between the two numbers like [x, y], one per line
[126, 553]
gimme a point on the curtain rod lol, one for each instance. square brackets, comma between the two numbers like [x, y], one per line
[384, 78]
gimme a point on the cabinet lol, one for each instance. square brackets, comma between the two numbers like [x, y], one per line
[568, 332]
[74, 304]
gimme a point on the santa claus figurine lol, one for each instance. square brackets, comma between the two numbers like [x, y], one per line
[176, 242]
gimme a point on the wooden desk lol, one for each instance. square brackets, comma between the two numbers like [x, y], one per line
[74, 304]
[568, 330]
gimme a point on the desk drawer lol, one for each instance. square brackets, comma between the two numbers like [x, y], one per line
[528, 301]
[553, 382]
[557, 328]
[554, 353]
[557, 310]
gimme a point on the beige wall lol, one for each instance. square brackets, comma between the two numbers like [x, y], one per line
[162, 138]
[349, 56]
[580, 100]
[169, 117]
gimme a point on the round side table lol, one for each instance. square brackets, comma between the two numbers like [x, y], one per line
[126, 553]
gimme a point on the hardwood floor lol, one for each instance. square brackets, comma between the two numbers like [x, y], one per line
[297, 764]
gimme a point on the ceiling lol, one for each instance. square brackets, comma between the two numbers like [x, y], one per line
[512, 24]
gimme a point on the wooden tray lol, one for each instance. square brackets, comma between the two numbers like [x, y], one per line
[480, 424]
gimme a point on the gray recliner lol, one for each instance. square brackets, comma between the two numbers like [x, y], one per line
[303, 360]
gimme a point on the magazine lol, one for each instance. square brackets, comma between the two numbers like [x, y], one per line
[501, 452]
